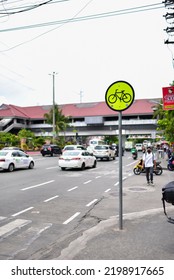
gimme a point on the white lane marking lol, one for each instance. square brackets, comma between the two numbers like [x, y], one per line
[51, 198]
[116, 184]
[97, 177]
[2, 218]
[23, 211]
[107, 190]
[72, 189]
[12, 226]
[71, 218]
[134, 162]
[53, 167]
[90, 203]
[124, 178]
[39, 185]
[87, 182]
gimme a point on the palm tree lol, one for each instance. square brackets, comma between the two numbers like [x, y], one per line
[61, 122]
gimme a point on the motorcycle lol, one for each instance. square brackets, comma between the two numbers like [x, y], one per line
[170, 165]
[134, 153]
[138, 169]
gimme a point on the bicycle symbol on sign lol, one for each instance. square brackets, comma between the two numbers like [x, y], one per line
[125, 97]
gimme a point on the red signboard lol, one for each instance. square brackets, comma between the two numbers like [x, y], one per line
[168, 98]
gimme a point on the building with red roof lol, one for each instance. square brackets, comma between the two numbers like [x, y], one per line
[94, 118]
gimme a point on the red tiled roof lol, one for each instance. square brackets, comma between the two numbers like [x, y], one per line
[139, 107]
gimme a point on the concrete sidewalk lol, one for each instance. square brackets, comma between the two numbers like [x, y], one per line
[146, 233]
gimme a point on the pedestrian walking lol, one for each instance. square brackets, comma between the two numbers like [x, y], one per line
[149, 163]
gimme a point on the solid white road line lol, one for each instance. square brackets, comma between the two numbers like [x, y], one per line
[90, 203]
[72, 189]
[51, 198]
[21, 212]
[71, 218]
[87, 182]
[12, 226]
[39, 185]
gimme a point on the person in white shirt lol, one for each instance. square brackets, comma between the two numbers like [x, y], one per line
[149, 162]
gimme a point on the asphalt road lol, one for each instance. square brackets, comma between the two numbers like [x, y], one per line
[46, 208]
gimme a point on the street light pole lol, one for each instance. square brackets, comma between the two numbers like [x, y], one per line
[54, 131]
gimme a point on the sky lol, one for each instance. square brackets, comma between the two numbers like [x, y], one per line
[87, 56]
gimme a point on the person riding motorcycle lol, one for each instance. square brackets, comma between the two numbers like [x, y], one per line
[134, 153]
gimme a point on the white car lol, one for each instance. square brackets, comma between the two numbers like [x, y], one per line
[76, 159]
[14, 159]
[73, 147]
[104, 151]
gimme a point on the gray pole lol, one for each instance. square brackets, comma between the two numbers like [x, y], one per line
[53, 131]
[120, 174]
[53, 106]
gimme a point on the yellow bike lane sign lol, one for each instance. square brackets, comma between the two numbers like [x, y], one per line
[119, 96]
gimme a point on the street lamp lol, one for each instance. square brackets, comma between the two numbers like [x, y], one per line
[54, 131]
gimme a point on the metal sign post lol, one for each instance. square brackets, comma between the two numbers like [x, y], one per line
[120, 174]
[119, 97]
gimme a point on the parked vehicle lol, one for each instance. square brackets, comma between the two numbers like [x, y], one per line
[170, 164]
[73, 147]
[50, 149]
[77, 159]
[104, 152]
[14, 159]
[138, 169]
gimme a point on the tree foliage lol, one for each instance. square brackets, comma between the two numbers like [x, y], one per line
[61, 122]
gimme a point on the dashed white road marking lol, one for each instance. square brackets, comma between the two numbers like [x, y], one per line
[87, 182]
[53, 167]
[116, 184]
[51, 198]
[76, 187]
[36, 186]
[90, 203]
[23, 211]
[71, 218]
[134, 162]
[107, 190]
[97, 177]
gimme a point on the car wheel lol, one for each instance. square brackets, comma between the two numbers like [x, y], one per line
[63, 168]
[95, 164]
[83, 166]
[11, 167]
[31, 165]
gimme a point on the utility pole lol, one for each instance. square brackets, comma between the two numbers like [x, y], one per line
[54, 131]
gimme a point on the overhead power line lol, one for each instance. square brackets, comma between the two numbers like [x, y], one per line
[7, 11]
[61, 23]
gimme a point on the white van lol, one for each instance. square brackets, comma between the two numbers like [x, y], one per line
[95, 142]
[139, 146]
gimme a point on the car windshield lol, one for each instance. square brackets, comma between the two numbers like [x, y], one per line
[101, 148]
[72, 153]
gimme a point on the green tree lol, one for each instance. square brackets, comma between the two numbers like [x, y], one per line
[61, 122]
[167, 125]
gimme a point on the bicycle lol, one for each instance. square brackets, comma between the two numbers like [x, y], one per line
[125, 97]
